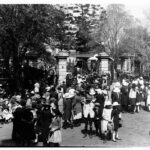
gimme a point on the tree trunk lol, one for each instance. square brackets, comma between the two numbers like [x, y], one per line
[15, 66]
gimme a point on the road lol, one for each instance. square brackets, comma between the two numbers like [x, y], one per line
[134, 133]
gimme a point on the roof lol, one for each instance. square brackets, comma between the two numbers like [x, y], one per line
[84, 55]
[103, 54]
[126, 55]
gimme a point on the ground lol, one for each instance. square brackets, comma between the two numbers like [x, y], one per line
[134, 133]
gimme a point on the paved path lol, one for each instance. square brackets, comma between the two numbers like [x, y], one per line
[134, 133]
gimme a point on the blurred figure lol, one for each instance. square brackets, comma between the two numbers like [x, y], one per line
[55, 135]
[116, 120]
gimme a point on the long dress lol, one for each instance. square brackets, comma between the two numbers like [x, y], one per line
[55, 129]
[148, 97]
[124, 96]
[67, 109]
[115, 115]
[132, 97]
[77, 107]
[60, 102]
[28, 126]
[106, 117]
[45, 120]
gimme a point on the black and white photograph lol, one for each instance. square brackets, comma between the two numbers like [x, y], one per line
[75, 74]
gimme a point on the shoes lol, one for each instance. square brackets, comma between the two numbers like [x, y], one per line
[114, 140]
[118, 139]
[90, 136]
[35, 141]
[71, 126]
[85, 135]
[104, 141]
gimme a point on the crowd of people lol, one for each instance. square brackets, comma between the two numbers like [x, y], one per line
[41, 115]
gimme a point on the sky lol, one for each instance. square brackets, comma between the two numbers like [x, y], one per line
[135, 7]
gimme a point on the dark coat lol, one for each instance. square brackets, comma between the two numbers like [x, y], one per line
[17, 124]
[100, 99]
[139, 97]
[116, 97]
[76, 104]
[45, 120]
[67, 109]
[28, 125]
[54, 95]
[124, 95]
[115, 115]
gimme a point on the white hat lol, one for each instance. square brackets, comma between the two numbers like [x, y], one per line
[48, 88]
[92, 91]
[116, 89]
[67, 95]
[115, 104]
[107, 103]
[141, 78]
[125, 83]
[32, 92]
[117, 84]
[104, 92]
[72, 92]
[99, 91]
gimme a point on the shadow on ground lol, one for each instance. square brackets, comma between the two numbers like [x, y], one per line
[7, 143]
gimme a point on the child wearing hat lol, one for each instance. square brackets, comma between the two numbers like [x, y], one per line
[116, 120]
[106, 118]
[97, 118]
[55, 136]
[88, 112]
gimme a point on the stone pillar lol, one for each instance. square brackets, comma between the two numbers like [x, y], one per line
[104, 66]
[62, 66]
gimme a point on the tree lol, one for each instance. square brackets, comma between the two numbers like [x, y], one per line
[27, 27]
[110, 31]
[80, 21]
[87, 22]
[136, 42]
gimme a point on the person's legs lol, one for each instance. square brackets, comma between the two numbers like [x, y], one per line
[105, 137]
[138, 108]
[113, 136]
[90, 123]
[148, 107]
[117, 136]
[96, 126]
[85, 128]
[133, 109]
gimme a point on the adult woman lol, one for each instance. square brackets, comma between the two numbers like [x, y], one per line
[60, 100]
[148, 99]
[115, 118]
[55, 137]
[67, 110]
[28, 126]
[106, 118]
[77, 109]
[116, 94]
[132, 97]
[138, 99]
[124, 96]
[45, 120]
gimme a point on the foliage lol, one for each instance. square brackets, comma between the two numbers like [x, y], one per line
[27, 28]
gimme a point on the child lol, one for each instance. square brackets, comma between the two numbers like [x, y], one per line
[55, 137]
[97, 119]
[116, 119]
